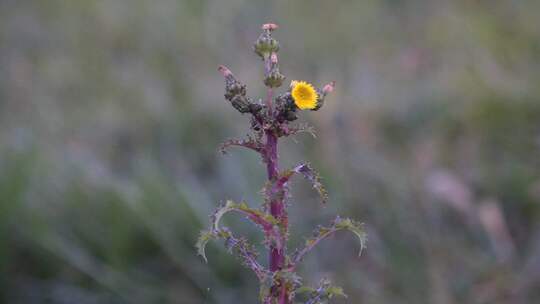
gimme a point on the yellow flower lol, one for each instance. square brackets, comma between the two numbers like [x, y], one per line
[304, 95]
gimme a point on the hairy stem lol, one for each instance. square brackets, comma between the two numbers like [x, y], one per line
[277, 208]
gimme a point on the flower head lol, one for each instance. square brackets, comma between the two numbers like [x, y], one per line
[304, 95]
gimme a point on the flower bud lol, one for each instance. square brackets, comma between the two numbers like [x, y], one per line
[291, 116]
[233, 88]
[255, 108]
[269, 26]
[241, 103]
[274, 79]
[286, 108]
[327, 89]
[265, 44]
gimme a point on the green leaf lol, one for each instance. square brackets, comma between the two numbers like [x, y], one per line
[258, 217]
[323, 232]
[204, 237]
[355, 227]
[324, 292]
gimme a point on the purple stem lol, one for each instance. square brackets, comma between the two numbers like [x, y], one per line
[277, 210]
[277, 207]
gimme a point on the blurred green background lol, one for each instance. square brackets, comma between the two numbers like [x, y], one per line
[111, 113]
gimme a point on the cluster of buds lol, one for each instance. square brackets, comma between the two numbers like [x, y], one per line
[267, 47]
[299, 96]
[269, 122]
[235, 93]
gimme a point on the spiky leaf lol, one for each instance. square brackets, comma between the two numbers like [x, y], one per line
[302, 128]
[204, 237]
[245, 251]
[258, 217]
[252, 142]
[308, 173]
[239, 246]
[324, 292]
[323, 232]
[355, 227]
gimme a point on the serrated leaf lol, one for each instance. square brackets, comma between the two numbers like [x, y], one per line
[305, 289]
[247, 254]
[324, 292]
[308, 173]
[258, 217]
[204, 237]
[355, 227]
[323, 232]
[251, 142]
[245, 251]
[239, 246]
[335, 291]
[303, 128]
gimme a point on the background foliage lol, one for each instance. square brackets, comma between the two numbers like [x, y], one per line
[111, 113]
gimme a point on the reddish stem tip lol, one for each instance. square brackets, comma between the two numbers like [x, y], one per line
[269, 26]
[224, 70]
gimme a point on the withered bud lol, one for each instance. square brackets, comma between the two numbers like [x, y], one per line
[241, 103]
[255, 107]
[235, 92]
[286, 108]
[233, 87]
